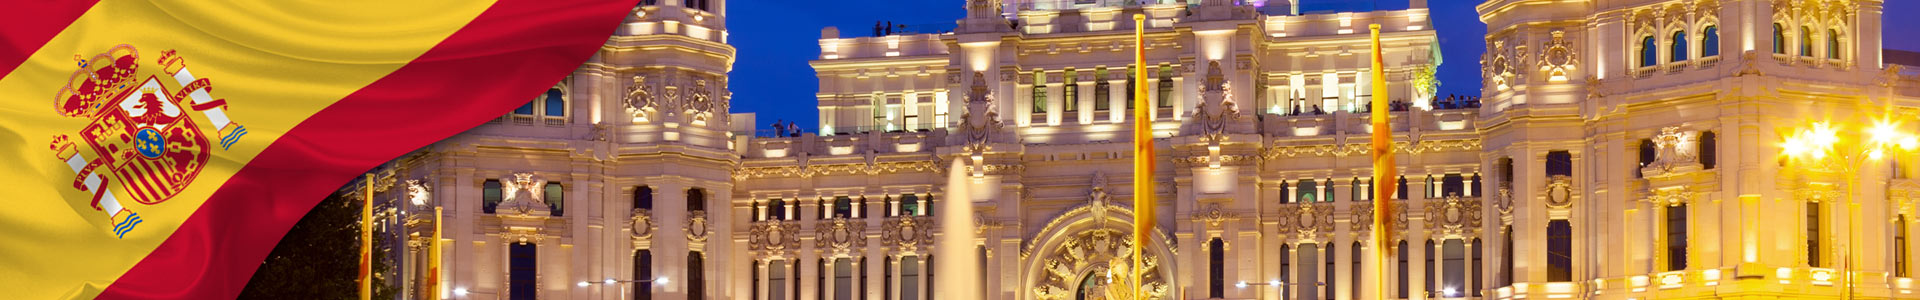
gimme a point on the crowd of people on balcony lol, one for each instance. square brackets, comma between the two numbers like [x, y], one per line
[1456, 102]
[1449, 102]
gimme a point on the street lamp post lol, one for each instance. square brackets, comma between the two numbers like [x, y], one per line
[1817, 143]
[1278, 284]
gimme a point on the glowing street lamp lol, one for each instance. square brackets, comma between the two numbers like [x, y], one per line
[1816, 143]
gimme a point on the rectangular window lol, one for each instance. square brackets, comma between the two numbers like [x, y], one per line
[643, 270]
[1039, 92]
[1677, 237]
[1453, 185]
[1132, 79]
[910, 278]
[556, 197]
[1308, 190]
[1814, 218]
[1559, 251]
[1433, 276]
[1070, 101]
[490, 195]
[777, 288]
[1102, 91]
[521, 271]
[1166, 86]
[1900, 247]
[1454, 280]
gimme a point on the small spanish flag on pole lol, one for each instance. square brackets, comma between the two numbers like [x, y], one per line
[160, 149]
[433, 258]
[1383, 169]
[366, 242]
[1142, 158]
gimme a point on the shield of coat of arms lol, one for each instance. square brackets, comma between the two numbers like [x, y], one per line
[139, 136]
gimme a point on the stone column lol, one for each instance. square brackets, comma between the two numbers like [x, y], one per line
[670, 243]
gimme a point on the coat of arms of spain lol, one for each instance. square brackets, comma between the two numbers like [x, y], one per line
[140, 135]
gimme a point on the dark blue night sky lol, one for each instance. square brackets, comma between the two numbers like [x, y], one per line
[776, 39]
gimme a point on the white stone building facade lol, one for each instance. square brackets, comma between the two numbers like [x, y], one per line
[1585, 173]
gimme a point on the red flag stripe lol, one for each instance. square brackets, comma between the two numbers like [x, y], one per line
[31, 24]
[510, 53]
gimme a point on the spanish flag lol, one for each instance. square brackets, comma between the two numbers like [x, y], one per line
[160, 149]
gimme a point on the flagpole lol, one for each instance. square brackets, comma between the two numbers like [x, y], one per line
[433, 258]
[1383, 168]
[1143, 200]
[366, 242]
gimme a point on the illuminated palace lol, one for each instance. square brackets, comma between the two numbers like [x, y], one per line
[1624, 150]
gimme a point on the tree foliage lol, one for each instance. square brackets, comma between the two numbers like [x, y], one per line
[320, 258]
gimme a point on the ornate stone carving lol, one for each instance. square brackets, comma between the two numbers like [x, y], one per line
[1362, 219]
[773, 235]
[700, 102]
[1454, 216]
[523, 196]
[841, 235]
[1092, 252]
[1307, 221]
[1559, 192]
[1676, 151]
[641, 224]
[1557, 57]
[1276, 151]
[875, 168]
[419, 193]
[1216, 109]
[1214, 216]
[639, 99]
[522, 235]
[1673, 196]
[907, 233]
[981, 119]
[697, 230]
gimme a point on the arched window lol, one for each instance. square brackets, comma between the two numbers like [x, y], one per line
[1679, 48]
[1710, 42]
[1709, 147]
[556, 197]
[777, 209]
[1833, 44]
[1900, 247]
[1400, 192]
[1677, 237]
[556, 103]
[1504, 167]
[1360, 192]
[1814, 218]
[526, 109]
[910, 278]
[755, 288]
[1473, 188]
[1216, 268]
[643, 197]
[910, 205]
[886, 275]
[643, 270]
[820, 284]
[1353, 270]
[1433, 259]
[522, 271]
[1649, 52]
[1806, 41]
[696, 275]
[1402, 270]
[1332, 279]
[696, 199]
[1326, 193]
[490, 195]
[697, 4]
[777, 288]
[1454, 280]
[1779, 39]
[1559, 251]
[842, 207]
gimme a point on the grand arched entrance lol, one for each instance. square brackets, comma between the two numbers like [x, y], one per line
[1070, 258]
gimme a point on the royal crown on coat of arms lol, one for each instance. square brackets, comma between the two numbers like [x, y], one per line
[140, 136]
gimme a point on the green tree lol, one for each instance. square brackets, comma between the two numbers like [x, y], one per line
[320, 256]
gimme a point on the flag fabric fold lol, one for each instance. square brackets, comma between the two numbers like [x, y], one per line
[161, 149]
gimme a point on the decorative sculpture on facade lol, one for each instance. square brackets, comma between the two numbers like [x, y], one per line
[1216, 109]
[1454, 216]
[1307, 221]
[908, 233]
[523, 196]
[640, 100]
[773, 235]
[697, 226]
[641, 224]
[981, 119]
[1093, 253]
[1557, 58]
[842, 235]
[1559, 192]
[1674, 149]
[700, 102]
[419, 193]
